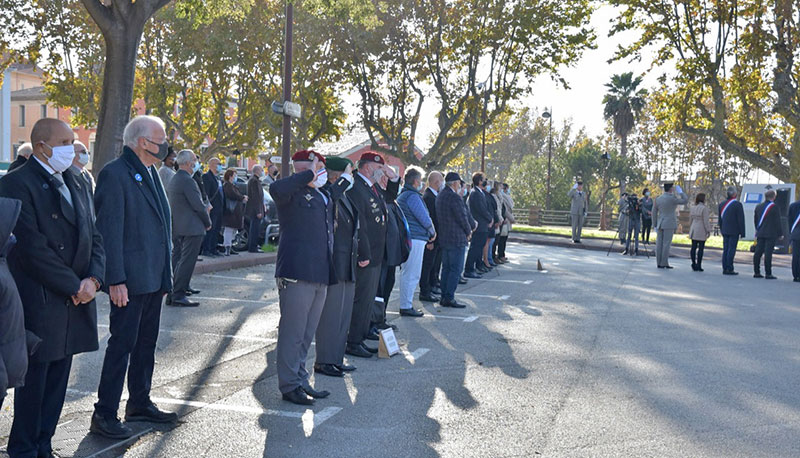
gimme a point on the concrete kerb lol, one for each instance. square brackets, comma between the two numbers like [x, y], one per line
[240, 261]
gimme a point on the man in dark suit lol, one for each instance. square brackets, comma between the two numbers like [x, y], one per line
[23, 153]
[213, 188]
[190, 221]
[86, 179]
[304, 269]
[454, 232]
[731, 226]
[372, 215]
[480, 211]
[133, 216]
[794, 234]
[767, 219]
[58, 265]
[335, 320]
[432, 257]
[254, 209]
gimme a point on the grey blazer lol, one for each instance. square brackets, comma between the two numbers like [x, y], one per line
[189, 214]
[664, 210]
[578, 205]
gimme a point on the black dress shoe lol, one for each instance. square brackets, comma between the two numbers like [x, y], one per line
[480, 270]
[470, 275]
[462, 281]
[357, 350]
[328, 369]
[298, 396]
[428, 298]
[182, 302]
[757, 275]
[453, 304]
[372, 335]
[150, 413]
[661, 267]
[193, 291]
[797, 279]
[385, 325]
[411, 312]
[668, 267]
[316, 394]
[111, 428]
[770, 277]
[436, 291]
[371, 350]
[345, 367]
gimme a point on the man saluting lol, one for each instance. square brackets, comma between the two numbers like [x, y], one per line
[304, 268]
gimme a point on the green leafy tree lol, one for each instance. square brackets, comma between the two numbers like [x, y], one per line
[622, 105]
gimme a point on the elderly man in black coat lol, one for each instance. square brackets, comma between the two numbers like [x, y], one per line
[58, 265]
[304, 268]
[134, 217]
[432, 258]
[212, 184]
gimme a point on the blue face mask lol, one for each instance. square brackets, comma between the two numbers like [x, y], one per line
[197, 167]
[220, 169]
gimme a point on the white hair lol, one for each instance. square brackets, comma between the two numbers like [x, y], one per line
[184, 157]
[78, 142]
[139, 127]
[25, 149]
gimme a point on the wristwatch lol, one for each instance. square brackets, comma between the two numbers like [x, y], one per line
[96, 283]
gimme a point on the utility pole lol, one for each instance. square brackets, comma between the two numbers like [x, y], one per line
[286, 141]
[549, 115]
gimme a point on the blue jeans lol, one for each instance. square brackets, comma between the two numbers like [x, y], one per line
[492, 240]
[252, 233]
[452, 260]
[729, 243]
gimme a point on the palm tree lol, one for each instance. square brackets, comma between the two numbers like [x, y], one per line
[623, 104]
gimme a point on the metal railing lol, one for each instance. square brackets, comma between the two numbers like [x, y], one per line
[535, 216]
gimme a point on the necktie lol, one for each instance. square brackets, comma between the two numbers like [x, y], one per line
[375, 191]
[62, 188]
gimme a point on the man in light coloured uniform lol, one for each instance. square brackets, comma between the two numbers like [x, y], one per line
[577, 210]
[666, 221]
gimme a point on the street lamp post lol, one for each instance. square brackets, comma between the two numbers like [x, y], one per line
[482, 86]
[286, 141]
[549, 115]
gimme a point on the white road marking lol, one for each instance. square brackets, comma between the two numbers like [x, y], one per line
[470, 319]
[527, 282]
[211, 334]
[417, 354]
[480, 295]
[117, 444]
[524, 282]
[311, 420]
[228, 299]
[504, 297]
[246, 278]
[437, 317]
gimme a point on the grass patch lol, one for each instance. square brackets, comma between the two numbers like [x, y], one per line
[269, 248]
[678, 239]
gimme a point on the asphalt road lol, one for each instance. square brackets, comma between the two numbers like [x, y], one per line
[596, 356]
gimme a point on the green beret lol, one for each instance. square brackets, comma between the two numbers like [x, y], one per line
[336, 163]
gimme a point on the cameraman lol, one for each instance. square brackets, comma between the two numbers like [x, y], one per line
[623, 217]
[634, 223]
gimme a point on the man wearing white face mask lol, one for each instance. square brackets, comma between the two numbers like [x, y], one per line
[58, 265]
[304, 269]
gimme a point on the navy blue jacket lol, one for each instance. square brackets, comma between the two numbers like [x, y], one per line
[133, 215]
[372, 218]
[211, 185]
[794, 212]
[771, 226]
[57, 246]
[733, 221]
[480, 210]
[305, 246]
[454, 223]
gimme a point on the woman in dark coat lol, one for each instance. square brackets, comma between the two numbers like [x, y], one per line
[13, 348]
[233, 210]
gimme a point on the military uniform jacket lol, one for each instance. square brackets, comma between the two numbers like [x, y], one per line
[578, 201]
[57, 247]
[770, 228]
[345, 233]
[664, 210]
[731, 221]
[794, 213]
[305, 246]
[133, 215]
[372, 215]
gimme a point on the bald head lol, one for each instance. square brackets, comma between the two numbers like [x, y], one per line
[48, 133]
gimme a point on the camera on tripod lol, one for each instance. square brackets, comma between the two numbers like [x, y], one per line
[634, 206]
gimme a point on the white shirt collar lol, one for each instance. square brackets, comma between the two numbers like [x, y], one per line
[44, 165]
[435, 192]
[369, 182]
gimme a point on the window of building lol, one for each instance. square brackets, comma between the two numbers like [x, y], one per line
[44, 111]
[22, 115]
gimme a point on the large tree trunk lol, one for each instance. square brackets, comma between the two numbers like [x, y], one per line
[122, 45]
[623, 154]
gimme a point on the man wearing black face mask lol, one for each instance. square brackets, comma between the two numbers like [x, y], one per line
[133, 216]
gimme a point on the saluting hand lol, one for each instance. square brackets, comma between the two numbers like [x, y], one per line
[119, 295]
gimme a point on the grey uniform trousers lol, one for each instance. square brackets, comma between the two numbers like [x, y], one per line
[663, 244]
[185, 249]
[335, 322]
[577, 225]
[301, 305]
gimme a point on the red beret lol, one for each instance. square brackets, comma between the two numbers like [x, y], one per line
[307, 155]
[373, 157]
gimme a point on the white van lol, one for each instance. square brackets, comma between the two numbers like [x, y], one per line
[753, 194]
